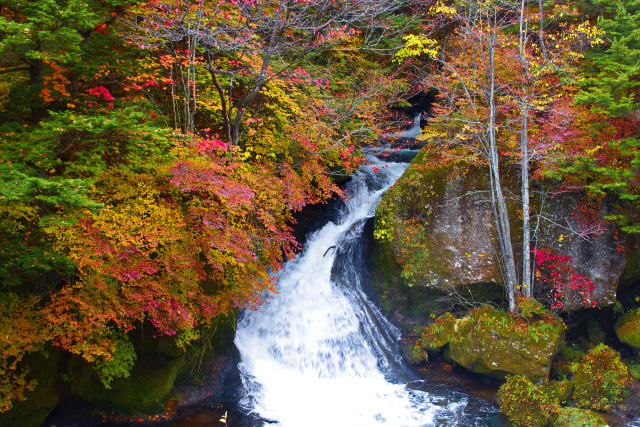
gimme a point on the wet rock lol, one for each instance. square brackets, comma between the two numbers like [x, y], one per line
[146, 389]
[40, 402]
[437, 224]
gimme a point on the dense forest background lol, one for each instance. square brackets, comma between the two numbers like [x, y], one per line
[155, 153]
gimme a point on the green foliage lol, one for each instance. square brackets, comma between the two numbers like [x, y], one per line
[601, 379]
[51, 31]
[526, 404]
[611, 82]
[118, 364]
[612, 173]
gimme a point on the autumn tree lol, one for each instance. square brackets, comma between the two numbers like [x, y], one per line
[243, 45]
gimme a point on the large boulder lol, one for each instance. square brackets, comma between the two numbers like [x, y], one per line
[437, 224]
[492, 342]
[38, 403]
[573, 228]
[628, 328]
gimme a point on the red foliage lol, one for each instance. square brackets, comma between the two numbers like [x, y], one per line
[558, 272]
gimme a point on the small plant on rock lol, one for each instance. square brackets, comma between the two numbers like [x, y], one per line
[437, 334]
[530, 308]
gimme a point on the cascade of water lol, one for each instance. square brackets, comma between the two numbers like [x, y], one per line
[413, 131]
[320, 353]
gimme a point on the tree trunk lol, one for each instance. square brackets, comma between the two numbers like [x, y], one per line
[526, 226]
[524, 165]
[504, 231]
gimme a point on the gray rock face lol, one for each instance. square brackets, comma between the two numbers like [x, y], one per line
[461, 234]
[455, 241]
[591, 244]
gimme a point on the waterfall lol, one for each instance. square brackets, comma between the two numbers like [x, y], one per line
[413, 131]
[320, 353]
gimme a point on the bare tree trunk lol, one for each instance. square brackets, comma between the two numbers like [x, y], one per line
[504, 231]
[526, 226]
[524, 166]
[541, 29]
[223, 101]
[251, 96]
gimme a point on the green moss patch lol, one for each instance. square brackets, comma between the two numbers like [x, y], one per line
[628, 328]
[574, 417]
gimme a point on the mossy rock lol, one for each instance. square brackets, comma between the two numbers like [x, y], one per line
[407, 307]
[493, 342]
[628, 328]
[575, 417]
[43, 367]
[526, 404]
[146, 389]
[433, 219]
[601, 379]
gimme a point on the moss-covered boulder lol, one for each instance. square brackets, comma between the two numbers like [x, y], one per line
[40, 402]
[436, 224]
[601, 379]
[433, 221]
[438, 334]
[575, 417]
[526, 404]
[628, 328]
[491, 341]
[146, 389]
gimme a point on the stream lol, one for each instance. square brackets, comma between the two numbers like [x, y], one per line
[320, 353]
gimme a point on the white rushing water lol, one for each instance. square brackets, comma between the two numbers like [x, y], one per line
[413, 131]
[319, 353]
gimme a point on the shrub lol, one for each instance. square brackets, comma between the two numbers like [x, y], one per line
[530, 308]
[601, 379]
[526, 404]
